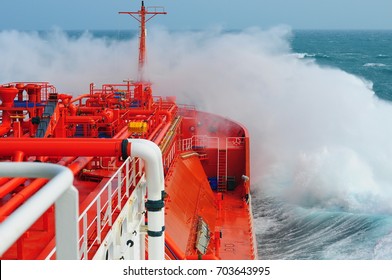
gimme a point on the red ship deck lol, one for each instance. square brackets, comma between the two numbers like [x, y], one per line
[237, 241]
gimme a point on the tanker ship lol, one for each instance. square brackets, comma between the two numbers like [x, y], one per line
[119, 173]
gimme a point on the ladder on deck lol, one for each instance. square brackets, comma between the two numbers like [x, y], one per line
[48, 112]
[222, 170]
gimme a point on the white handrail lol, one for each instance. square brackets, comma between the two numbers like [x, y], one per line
[58, 190]
[99, 203]
[152, 156]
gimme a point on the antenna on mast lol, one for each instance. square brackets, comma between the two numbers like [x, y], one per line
[143, 16]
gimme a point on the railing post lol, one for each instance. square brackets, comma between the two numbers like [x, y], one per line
[67, 228]
[85, 244]
[99, 220]
[109, 210]
[127, 177]
[119, 183]
[134, 171]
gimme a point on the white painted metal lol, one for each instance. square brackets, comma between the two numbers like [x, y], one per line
[67, 230]
[125, 239]
[60, 190]
[152, 155]
[97, 206]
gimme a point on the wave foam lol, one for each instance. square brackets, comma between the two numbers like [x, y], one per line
[374, 65]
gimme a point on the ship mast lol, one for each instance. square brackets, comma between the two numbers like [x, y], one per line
[143, 16]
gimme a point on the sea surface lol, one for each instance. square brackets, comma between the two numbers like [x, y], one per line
[365, 53]
[317, 105]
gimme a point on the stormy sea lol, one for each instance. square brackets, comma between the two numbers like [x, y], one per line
[332, 198]
[317, 105]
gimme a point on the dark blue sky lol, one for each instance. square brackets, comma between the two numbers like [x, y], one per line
[198, 14]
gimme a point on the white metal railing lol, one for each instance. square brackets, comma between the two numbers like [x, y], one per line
[126, 237]
[200, 142]
[123, 224]
[126, 176]
[170, 156]
[58, 190]
[186, 144]
[203, 141]
[100, 213]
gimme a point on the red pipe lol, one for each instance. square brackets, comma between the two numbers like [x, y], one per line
[16, 126]
[34, 92]
[7, 96]
[83, 119]
[167, 114]
[123, 133]
[5, 126]
[79, 164]
[61, 146]
[37, 184]
[80, 97]
[20, 197]
[72, 109]
[139, 112]
[66, 160]
[53, 147]
[155, 131]
[18, 156]
[162, 134]
[20, 88]
[88, 109]
[107, 115]
[10, 186]
[3, 180]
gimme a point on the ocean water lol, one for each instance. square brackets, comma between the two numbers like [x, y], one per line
[364, 53]
[317, 105]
